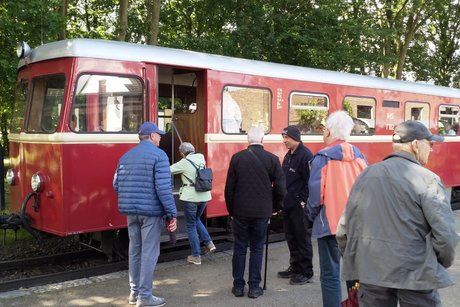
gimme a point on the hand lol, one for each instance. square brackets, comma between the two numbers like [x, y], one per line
[302, 203]
[172, 224]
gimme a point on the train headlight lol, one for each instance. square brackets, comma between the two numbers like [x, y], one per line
[23, 50]
[10, 176]
[36, 182]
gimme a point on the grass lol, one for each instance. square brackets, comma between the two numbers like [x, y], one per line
[8, 236]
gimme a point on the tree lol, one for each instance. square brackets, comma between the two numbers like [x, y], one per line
[63, 13]
[123, 19]
[33, 21]
[436, 51]
[153, 9]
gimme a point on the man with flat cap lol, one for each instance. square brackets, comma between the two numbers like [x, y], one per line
[143, 183]
[397, 233]
[296, 226]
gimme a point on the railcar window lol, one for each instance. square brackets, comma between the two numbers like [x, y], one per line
[46, 103]
[448, 120]
[107, 104]
[308, 111]
[19, 107]
[419, 111]
[390, 104]
[362, 110]
[245, 107]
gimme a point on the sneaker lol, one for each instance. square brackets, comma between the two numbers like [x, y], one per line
[194, 259]
[132, 299]
[152, 301]
[287, 273]
[211, 247]
[300, 279]
[255, 293]
[238, 292]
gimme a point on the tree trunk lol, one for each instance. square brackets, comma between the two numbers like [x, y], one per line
[123, 19]
[63, 12]
[153, 11]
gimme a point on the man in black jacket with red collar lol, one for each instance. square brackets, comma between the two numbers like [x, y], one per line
[296, 226]
[255, 188]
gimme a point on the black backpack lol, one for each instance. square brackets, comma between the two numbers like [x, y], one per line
[203, 179]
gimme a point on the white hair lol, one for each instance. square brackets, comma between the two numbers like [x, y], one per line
[255, 135]
[186, 148]
[340, 125]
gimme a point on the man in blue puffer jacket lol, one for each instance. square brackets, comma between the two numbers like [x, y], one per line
[143, 183]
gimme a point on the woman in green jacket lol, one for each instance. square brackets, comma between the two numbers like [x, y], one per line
[194, 202]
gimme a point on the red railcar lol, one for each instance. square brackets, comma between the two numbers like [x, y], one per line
[80, 102]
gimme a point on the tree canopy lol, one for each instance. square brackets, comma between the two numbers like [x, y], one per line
[402, 39]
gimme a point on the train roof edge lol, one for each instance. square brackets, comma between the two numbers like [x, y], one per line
[96, 48]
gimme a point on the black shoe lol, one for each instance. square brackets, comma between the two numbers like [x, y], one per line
[300, 279]
[287, 273]
[238, 292]
[255, 293]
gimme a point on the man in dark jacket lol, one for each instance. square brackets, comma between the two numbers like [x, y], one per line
[296, 226]
[143, 183]
[254, 189]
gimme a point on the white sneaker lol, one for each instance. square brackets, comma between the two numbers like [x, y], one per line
[194, 259]
[132, 299]
[153, 301]
[211, 247]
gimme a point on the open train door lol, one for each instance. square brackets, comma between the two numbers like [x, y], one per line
[181, 113]
[181, 109]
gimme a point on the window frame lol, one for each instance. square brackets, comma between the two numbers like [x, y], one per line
[308, 108]
[246, 87]
[142, 95]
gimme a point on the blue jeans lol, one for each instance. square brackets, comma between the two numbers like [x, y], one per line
[329, 263]
[248, 232]
[144, 249]
[195, 228]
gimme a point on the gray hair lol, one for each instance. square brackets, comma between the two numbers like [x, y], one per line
[186, 148]
[255, 135]
[340, 125]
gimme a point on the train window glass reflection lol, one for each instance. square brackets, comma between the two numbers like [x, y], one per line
[448, 120]
[245, 107]
[308, 111]
[19, 107]
[362, 110]
[46, 103]
[107, 104]
[419, 111]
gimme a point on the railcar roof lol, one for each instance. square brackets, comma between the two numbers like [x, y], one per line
[115, 50]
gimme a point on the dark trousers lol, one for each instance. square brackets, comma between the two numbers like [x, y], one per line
[248, 232]
[298, 236]
[375, 296]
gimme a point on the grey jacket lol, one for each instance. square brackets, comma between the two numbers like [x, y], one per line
[398, 230]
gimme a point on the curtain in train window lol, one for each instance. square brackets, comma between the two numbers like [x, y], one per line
[362, 110]
[419, 111]
[107, 104]
[245, 107]
[448, 120]
[308, 111]
[46, 104]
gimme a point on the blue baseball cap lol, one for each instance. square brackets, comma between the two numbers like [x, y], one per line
[148, 128]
